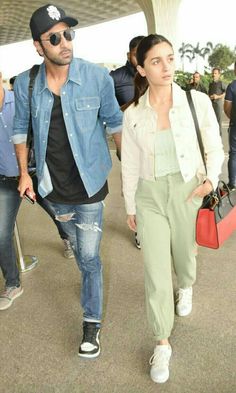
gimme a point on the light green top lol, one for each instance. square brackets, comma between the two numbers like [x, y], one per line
[165, 154]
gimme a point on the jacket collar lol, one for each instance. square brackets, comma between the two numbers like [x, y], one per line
[177, 92]
[73, 75]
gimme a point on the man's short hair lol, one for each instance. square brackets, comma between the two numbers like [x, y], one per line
[216, 69]
[12, 80]
[135, 41]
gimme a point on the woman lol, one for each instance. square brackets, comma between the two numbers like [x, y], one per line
[164, 181]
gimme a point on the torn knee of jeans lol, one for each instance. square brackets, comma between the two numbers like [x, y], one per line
[89, 227]
[64, 217]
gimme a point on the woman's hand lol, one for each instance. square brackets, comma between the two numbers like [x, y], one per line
[131, 221]
[201, 190]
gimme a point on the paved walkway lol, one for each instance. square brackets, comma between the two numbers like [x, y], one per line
[40, 333]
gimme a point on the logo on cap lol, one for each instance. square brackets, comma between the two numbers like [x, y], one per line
[53, 12]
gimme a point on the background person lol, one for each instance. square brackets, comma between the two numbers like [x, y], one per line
[230, 111]
[216, 93]
[71, 101]
[9, 201]
[124, 83]
[124, 76]
[196, 84]
[164, 182]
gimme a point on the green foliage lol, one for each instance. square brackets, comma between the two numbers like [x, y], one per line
[222, 56]
[229, 76]
[182, 78]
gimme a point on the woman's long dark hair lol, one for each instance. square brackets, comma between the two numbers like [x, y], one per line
[140, 82]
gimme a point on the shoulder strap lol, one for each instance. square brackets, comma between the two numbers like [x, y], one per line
[32, 75]
[199, 137]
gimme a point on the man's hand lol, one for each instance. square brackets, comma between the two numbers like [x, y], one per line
[213, 97]
[26, 186]
[131, 221]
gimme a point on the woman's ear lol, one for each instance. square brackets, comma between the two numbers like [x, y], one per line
[141, 70]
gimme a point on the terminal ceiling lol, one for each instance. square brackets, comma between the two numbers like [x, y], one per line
[15, 14]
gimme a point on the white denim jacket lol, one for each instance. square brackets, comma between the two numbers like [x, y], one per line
[139, 128]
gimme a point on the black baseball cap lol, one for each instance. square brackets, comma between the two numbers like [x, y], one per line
[44, 18]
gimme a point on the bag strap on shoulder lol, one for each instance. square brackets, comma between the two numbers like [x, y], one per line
[32, 75]
[199, 136]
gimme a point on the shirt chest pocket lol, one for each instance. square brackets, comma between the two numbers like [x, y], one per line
[86, 110]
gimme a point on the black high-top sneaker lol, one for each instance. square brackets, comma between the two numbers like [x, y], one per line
[90, 346]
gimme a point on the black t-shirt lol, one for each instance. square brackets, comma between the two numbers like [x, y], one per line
[68, 187]
[217, 87]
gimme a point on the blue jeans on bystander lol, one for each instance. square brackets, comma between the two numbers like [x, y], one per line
[232, 156]
[9, 206]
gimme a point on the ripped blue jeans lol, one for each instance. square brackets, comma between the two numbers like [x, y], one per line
[83, 226]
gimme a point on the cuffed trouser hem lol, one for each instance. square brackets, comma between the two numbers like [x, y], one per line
[163, 336]
[91, 320]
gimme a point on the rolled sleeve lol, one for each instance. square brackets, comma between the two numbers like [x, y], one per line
[21, 118]
[110, 112]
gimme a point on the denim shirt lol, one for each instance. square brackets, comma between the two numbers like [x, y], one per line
[8, 162]
[88, 102]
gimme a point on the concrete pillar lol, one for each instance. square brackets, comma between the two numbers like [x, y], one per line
[161, 16]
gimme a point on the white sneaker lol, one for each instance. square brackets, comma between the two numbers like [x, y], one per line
[9, 295]
[184, 301]
[159, 362]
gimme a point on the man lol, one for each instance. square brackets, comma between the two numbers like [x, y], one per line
[71, 101]
[9, 201]
[11, 82]
[230, 111]
[197, 84]
[68, 252]
[124, 83]
[124, 76]
[216, 93]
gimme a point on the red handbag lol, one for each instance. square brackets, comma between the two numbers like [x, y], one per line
[216, 218]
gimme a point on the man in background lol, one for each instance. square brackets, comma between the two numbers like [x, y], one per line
[196, 84]
[124, 82]
[230, 111]
[124, 76]
[217, 93]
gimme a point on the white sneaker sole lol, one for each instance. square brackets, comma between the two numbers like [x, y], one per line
[159, 380]
[89, 355]
[183, 314]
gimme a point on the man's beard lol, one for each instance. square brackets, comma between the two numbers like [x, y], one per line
[56, 59]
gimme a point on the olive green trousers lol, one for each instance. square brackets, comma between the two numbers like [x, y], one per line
[166, 230]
